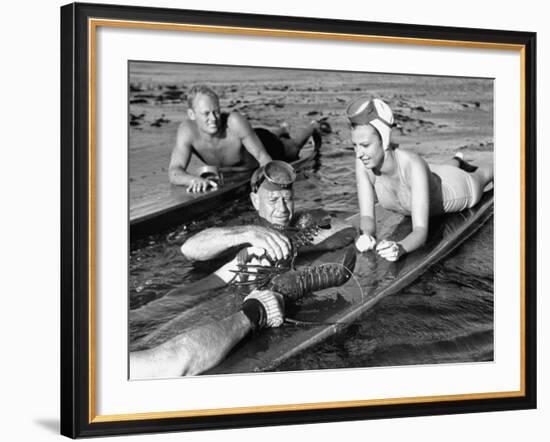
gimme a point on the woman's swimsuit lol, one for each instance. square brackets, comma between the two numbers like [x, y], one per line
[451, 190]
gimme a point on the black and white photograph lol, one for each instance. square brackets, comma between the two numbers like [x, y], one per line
[288, 219]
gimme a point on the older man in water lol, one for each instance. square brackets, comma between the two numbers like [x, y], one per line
[225, 140]
[266, 242]
[269, 239]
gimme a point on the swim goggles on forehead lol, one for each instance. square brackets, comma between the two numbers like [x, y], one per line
[279, 174]
[363, 111]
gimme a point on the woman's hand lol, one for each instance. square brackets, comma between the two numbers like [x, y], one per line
[365, 242]
[390, 250]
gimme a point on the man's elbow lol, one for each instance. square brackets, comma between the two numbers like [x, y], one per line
[173, 176]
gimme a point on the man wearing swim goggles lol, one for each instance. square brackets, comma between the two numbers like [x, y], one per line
[273, 198]
[272, 195]
[197, 349]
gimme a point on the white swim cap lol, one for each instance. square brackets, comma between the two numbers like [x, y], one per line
[375, 112]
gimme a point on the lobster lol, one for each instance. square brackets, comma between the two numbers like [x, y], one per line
[301, 236]
[293, 283]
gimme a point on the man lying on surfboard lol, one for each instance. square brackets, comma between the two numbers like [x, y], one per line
[227, 141]
[402, 181]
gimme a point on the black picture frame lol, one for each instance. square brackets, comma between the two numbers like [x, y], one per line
[77, 416]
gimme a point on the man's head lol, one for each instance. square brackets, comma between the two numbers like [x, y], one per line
[204, 108]
[272, 195]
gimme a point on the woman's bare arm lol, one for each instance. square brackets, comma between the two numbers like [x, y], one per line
[367, 198]
[419, 180]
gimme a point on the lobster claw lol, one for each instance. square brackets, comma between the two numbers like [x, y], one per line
[349, 258]
[255, 268]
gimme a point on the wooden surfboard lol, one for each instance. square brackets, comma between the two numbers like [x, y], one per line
[330, 311]
[323, 313]
[161, 205]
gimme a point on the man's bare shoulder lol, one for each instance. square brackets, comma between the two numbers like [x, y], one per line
[187, 130]
[238, 124]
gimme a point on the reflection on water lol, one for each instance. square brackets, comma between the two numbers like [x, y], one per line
[445, 316]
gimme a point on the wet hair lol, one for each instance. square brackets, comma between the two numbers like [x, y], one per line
[200, 89]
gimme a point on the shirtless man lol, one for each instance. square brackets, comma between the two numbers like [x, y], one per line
[227, 141]
[217, 140]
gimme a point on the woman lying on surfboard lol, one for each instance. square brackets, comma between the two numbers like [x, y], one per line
[401, 181]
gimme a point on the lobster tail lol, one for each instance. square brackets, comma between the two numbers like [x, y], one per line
[295, 284]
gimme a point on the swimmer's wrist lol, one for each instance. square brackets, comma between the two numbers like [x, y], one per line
[367, 226]
[366, 232]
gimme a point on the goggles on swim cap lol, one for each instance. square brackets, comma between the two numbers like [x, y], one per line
[276, 175]
[364, 110]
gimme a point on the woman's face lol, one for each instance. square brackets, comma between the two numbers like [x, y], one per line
[368, 146]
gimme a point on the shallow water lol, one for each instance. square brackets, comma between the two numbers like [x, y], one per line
[445, 316]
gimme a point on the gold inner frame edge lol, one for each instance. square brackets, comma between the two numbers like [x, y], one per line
[93, 24]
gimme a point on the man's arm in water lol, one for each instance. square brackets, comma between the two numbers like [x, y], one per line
[212, 242]
[201, 348]
[179, 160]
[240, 126]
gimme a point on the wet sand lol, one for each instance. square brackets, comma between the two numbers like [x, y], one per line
[435, 116]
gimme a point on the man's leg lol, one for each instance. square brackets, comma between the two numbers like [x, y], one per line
[295, 144]
[458, 161]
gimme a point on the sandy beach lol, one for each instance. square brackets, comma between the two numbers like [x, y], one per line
[436, 116]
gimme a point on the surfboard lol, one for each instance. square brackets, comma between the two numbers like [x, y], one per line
[210, 298]
[160, 205]
[330, 311]
[320, 315]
